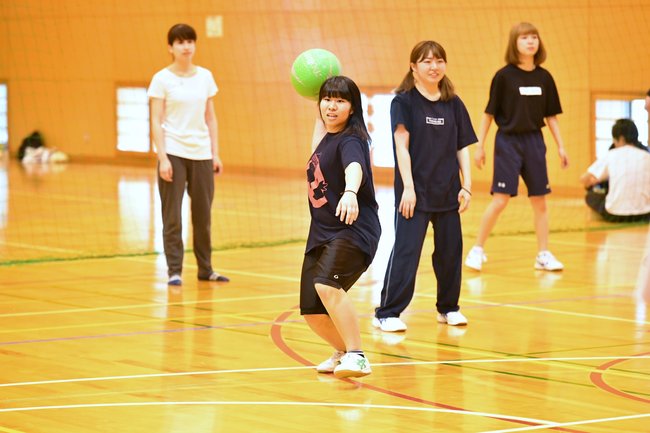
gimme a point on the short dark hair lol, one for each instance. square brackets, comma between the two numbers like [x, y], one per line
[627, 129]
[648, 94]
[181, 32]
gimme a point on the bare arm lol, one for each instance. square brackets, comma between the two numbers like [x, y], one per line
[407, 203]
[554, 126]
[348, 207]
[479, 154]
[157, 108]
[319, 133]
[213, 130]
[588, 180]
[465, 193]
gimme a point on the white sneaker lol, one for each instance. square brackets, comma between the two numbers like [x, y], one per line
[352, 365]
[330, 363]
[453, 318]
[389, 324]
[547, 262]
[475, 258]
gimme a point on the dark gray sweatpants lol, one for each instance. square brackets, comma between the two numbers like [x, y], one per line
[198, 178]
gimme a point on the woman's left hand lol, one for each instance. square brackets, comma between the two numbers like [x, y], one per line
[564, 159]
[348, 208]
[464, 198]
[217, 165]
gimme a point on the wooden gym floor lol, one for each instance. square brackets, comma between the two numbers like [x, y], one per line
[93, 340]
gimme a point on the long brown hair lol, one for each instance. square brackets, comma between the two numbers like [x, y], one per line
[512, 53]
[420, 51]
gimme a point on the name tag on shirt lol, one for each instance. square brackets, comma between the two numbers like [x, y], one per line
[435, 120]
[530, 91]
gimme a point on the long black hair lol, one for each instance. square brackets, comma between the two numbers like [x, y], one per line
[343, 87]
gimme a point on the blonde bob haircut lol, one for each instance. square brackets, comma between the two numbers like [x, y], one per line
[512, 53]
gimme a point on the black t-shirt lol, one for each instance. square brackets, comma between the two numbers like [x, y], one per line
[437, 131]
[326, 183]
[520, 100]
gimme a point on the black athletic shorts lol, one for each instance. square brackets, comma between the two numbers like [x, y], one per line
[337, 264]
[520, 154]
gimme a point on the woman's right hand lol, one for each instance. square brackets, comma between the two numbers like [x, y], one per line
[407, 204]
[165, 170]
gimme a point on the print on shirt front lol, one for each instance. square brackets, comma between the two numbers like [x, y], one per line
[316, 183]
[437, 131]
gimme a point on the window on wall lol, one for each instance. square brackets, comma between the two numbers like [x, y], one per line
[376, 113]
[133, 120]
[609, 110]
[4, 124]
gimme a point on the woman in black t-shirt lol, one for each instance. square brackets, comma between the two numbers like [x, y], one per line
[344, 230]
[431, 132]
[522, 96]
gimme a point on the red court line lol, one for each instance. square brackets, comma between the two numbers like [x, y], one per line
[597, 379]
[276, 336]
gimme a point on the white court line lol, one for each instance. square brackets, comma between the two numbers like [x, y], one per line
[549, 310]
[148, 305]
[309, 367]
[279, 403]
[567, 424]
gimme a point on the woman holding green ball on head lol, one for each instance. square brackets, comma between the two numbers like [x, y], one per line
[344, 230]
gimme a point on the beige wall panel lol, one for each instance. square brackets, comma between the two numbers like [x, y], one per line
[268, 131]
[373, 46]
[57, 8]
[68, 115]
[49, 49]
[541, 4]
[140, 46]
[619, 48]
[151, 8]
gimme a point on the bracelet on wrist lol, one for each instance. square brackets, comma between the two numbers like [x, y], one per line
[466, 190]
[349, 190]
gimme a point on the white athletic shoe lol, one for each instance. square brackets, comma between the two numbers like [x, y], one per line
[475, 258]
[546, 261]
[389, 324]
[330, 363]
[352, 365]
[453, 318]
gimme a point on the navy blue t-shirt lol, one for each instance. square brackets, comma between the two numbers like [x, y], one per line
[520, 100]
[326, 184]
[437, 131]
